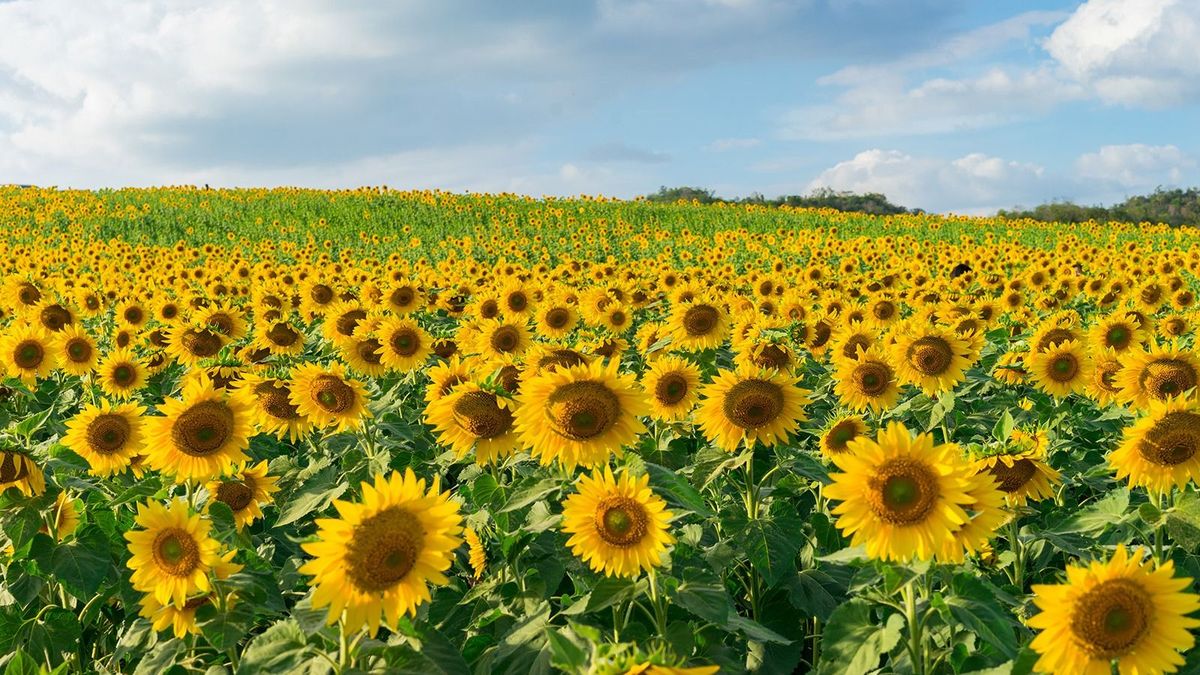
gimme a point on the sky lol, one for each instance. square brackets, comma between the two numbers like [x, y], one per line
[946, 105]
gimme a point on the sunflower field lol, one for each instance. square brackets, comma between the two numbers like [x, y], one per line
[372, 431]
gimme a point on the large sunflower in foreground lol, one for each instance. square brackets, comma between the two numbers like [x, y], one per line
[327, 397]
[107, 436]
[1157, 374]
[471, 417]
[931, 357]
[1126, 610]
[173, 552]
[374, 563]
[672, 385]
[581, 414]
[1162, 449]
[750, 405]
[904, 498]
[617, 526]
[200, 435]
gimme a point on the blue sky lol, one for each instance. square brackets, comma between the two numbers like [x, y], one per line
[941, 104]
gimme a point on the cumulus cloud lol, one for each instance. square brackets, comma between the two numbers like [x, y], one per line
[1136, 165]
[973, 183]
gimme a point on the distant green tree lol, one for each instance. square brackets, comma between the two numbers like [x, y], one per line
[872, 202]
[668, 195]
[1173, 207]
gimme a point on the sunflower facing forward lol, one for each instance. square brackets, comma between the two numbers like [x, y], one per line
[1162, 449]
[107, 436]
[471, 417]
[866, 382]
[1061, 369]
[931, 357]
[374, 563]
[1126, 610]
[906, 498]
[27, 352]
[750, 405]
[327, 397]
[245, 491]
[1157, 374]
[617, 526]
[173, 552]
[672, 385]
[581, 414]
[200, 436]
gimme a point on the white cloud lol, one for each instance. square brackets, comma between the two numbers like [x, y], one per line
[1143, 53]
[1136, 165]
[974, 183]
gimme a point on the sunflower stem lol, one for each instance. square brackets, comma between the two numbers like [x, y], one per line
[1014, 540]
[916, 636]
[1159, 531]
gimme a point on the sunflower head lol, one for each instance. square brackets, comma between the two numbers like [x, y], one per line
[618, 526]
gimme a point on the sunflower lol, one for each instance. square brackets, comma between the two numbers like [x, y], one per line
[27, 353]
[750, 405]
[182, 620]
[404, 346]
[172, 552]
[224, 320]
[77, 350]
[1102, 386]
[1157, 374]
[1061, 369]
[64, 517]
[556, 319]
[471, 417]
[904, 498]
[342, 320]
[580, 414]
[53, 316]
[497, 338]
[245, 491]
[373, 563]
[132, 314]
[1054, 331]
[444, 377]
[867, 381]
[672, 385]
[931, 357]
[1127, 610]
[697, 325]
[108, 436]
[403, 298]
[270, 403]
[476, 553]
[1010, 368]
[200, 435]
[121, 373]
[617, 526]
[1162, 449]
[838, 433]
[22, 472]
[327, 397]
[280, 338]
[363, 353]
[1021, 473]
[1117, 332]
[191, 345]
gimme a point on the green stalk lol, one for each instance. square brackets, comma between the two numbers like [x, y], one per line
[916, 636]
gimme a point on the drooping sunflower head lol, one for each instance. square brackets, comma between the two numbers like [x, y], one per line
[270, 403]
[580, 414]
[838, 433]
[1103, 385]
[1162, 449]
[54, 316]
[617, 526]
[191, 344]
[1010, 368]
[244, 491]
[327, 397]
[1020, 469]
[374, 564]
[672, 385]
[280, 337]
[22, 472]
[750, 405]
[1125, 610]
[108, 436]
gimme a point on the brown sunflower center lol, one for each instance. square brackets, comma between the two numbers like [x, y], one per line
[79, 350]
[54, 317]
[29, 294]
[871, 378]
[124, 374]
[840, 435]
[557, 317]
[222, 323]
[1106, 376]
[383, 549]
[505, 339]
[108, 433]
[883, 310]
[201, 343]
[1064, 367]
[700, 320]
[1164, 378]
[850, 348]
[402, 297]
[479, 414]
[930, 355]
[348, 321]
[368, 350]
[753, 403]
[404, 341]
[12, 467]
[283, 335]
[583, 410]
[621, 521]
[903, 491]
[236, 494]
[274, 396]
[133, 315]
[203, 429]
[560, 358]
[1118, 337]
[321, 294]
[332, 394]
[1013, 477]
[176, 552]
[1174, 326]
[671, 389]
[1053, 337]
[517, 301]
[445, 348]
[771, 356]
[1172, 440]
[29, 354]
[1110, 619]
